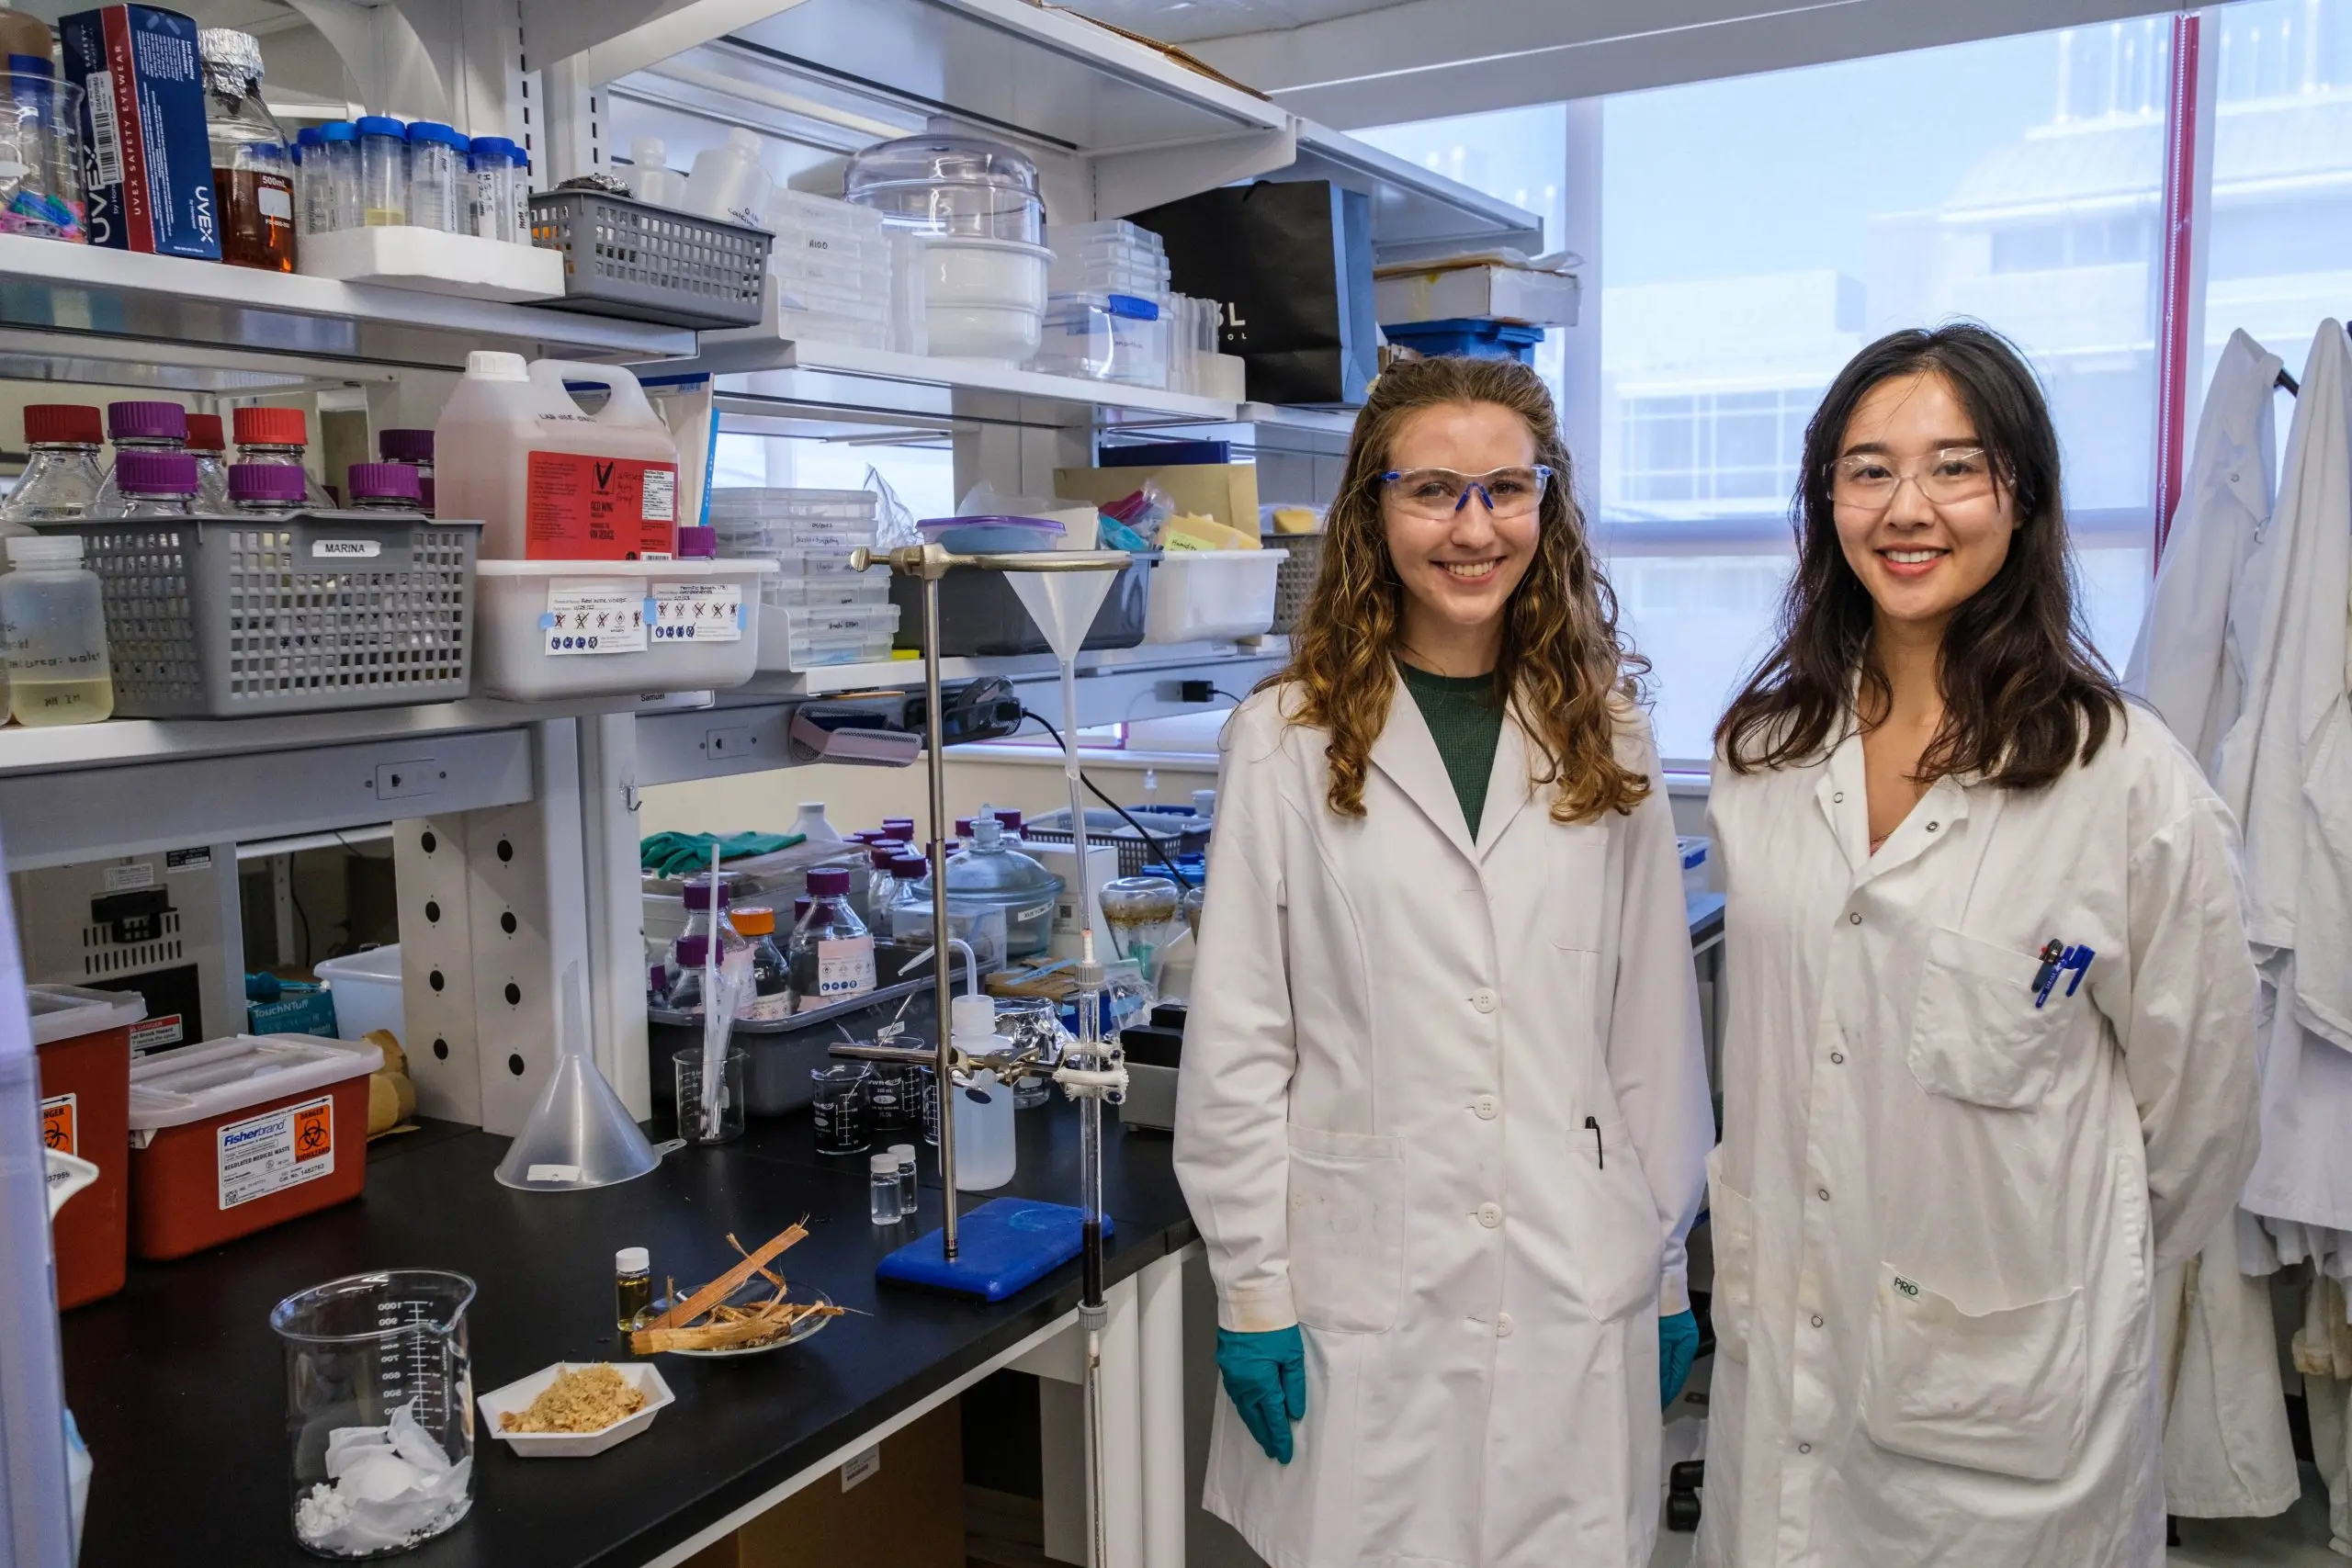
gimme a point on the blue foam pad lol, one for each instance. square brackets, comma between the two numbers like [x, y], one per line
[1001, 1246]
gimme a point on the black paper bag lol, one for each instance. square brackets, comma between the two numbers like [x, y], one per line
[1290, 260]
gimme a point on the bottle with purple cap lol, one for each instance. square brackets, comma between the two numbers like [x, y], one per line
[155, 484]
[831, 956]
[705, 915]
[267, 489]
[138, 426]
[414, 448]
[384, 487]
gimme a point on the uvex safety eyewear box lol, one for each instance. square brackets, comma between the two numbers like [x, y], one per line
[146, 159]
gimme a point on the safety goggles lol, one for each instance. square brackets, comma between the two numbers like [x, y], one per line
[1436, 495]
[1868, 481]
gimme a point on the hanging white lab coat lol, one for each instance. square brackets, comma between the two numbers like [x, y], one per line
[2286, 768]
[2228, 1451]
[2183, 661]
[1444, 1106]
[1938, 1210]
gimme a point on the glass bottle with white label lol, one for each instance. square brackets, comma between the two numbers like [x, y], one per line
[831, 958]
[252, 158]
[53, 622]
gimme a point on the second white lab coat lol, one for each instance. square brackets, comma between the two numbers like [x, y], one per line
[2228, 1451]
[1444, 1106]
[1938, 1210]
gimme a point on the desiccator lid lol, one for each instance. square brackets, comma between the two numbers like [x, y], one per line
[940, 159]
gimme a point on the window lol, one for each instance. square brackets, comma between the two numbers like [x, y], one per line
[924, 478]
[2014, 181]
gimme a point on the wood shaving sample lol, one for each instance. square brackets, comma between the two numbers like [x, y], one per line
[586, 1401]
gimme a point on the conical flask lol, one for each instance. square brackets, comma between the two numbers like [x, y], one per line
[580, 1136]
[1063, 605]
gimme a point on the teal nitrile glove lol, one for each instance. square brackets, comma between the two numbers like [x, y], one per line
[1265, 1376]
[1677, 1347]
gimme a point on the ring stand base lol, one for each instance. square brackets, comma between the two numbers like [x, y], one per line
[1002, 1247]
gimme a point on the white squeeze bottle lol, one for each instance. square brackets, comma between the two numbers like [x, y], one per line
[548, 479]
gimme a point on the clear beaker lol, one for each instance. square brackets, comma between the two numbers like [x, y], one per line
[380, 1409]
[688, 1063]
[837, 1102]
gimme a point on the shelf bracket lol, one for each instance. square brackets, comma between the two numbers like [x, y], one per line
[1146, 176]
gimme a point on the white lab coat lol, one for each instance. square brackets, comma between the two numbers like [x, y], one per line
[2286, 768]
[2228, 1452]
[1939, 1211]
[1443, 1105]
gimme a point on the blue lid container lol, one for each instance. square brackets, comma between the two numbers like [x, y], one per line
[1472, 337]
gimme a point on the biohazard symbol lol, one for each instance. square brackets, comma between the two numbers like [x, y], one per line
[313, 1132]
[57, 1125]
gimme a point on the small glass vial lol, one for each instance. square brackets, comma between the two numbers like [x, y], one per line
[523, 195]
[338, 197]
[632, 1287]
[264, 490]
[53, 625]
[281, 437]
[492, 164]
[208, 444]
[62, 475]
[882, 1190]
[831, 956]
[383, 172]
[905, 1154]
[437, 160]
[141, 426]
[157, 484]
[413, 447]
[383, 487]
[253, 159]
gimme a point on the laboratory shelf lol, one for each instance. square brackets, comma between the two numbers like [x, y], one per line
[1415, 212]
[180, 1386]
[745, 730]
[128, 785]
[228, 326]
[784, 373]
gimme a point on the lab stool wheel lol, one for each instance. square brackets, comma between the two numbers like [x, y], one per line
[1683, 1485]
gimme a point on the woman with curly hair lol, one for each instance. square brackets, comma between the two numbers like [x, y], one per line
[1444, 1118]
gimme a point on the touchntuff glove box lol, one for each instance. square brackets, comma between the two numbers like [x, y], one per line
[146, 157]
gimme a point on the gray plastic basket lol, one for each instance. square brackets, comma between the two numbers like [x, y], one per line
[1107, 829]
[651, 264]
[222, 618]
[1295, 578]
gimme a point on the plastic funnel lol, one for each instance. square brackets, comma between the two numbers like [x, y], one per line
[1062, 603]
[580, 1136]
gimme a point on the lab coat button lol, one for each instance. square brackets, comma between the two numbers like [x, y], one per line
[1484, 1107]
[1502, 1325]
[1855, 919]
[1490, 1214]
[1823, 1194]
[1816, 1321]
[1838, 1058]
[1802, 1448]
[1483, 1001]
[1838, 800]
[1931, 827]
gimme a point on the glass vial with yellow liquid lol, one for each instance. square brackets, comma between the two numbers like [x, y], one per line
[632, 1287]
[53, 625]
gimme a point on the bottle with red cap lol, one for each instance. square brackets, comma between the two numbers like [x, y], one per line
[139, 426]
[281, 437]
[384, 487]
[157, 484]
[210, 446]
[413, 447]
[264, 490]
[63, 475]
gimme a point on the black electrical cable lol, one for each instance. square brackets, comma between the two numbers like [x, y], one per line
[1228, 696]
[1078, 830]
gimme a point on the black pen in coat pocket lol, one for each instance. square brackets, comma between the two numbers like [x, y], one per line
[1599, 1160]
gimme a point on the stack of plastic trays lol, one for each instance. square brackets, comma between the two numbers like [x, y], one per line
[832, 614]
[831, 264]
[1111, 256]
[1089, 331]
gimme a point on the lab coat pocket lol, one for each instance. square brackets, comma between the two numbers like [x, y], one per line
[1731, 1232]
[1576, 873]
[1620, 1241]
[1347, 1229]
[2001, 1391]
[1976, 1034]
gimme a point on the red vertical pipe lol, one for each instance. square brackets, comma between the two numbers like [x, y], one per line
[2174, 351]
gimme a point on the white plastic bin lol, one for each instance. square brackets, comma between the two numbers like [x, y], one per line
[367, 992]
[1212, 595]
[555, 629]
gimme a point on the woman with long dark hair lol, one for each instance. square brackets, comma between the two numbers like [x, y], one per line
[1443, 1116]
[1988, 1062]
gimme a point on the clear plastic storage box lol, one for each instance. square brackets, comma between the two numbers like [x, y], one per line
[1212, 595]
[1105, 337]
[607, 628]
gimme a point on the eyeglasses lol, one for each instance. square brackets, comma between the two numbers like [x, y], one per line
[1868, 481]
[1436, 495]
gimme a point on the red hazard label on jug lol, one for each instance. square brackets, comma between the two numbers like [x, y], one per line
[582, 507]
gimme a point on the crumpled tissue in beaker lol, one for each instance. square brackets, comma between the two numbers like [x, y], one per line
[394, 1485]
